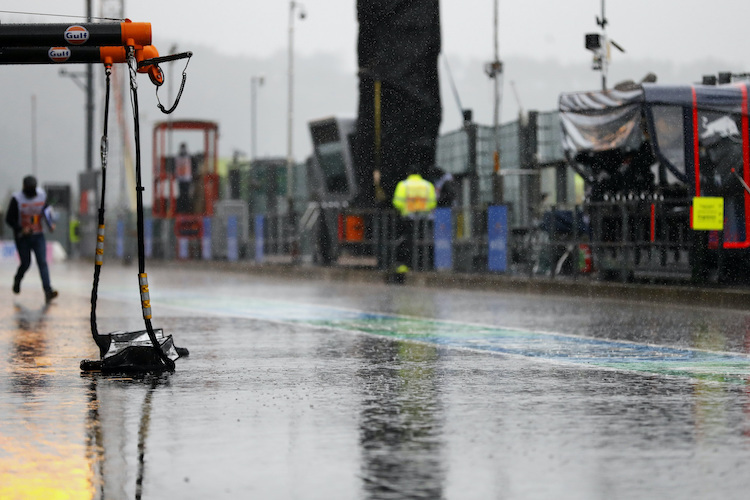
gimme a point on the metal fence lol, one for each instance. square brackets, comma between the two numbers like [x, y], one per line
[618, 239]
[634, 237]
[455, 240]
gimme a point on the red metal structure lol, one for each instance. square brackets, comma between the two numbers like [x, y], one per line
[205, 180]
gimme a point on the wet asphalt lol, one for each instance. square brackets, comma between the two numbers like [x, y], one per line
[315, 389]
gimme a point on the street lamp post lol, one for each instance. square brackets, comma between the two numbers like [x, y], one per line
[295, 8]
[172, 50]
[88, 87]
[255, 82]
[600, 44]
[33, 135]
[494, 70]
[83, 81]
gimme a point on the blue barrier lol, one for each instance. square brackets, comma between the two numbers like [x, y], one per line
[148, 238]
[120, 239]
[443, 239]
[206, 252]
[497, 238]
[233, 252]
[259, 223]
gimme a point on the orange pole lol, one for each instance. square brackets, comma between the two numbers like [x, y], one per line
[135, 34]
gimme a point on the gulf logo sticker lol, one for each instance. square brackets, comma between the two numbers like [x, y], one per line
[59, 54]
[76, 35]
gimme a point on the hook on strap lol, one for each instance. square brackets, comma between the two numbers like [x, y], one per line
[155, 62]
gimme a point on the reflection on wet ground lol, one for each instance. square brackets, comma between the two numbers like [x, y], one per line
[40, 454]
[120, 453]
[29, 349]
[401, 420]
[319, 390]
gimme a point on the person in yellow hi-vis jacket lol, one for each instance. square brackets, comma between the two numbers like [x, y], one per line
[414, 198]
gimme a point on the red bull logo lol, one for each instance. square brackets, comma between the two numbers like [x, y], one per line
[59, 54]
[76, 35]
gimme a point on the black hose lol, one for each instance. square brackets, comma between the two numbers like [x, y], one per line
[139, 207]
[102, 342]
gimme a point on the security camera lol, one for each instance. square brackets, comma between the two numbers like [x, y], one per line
[593, 41]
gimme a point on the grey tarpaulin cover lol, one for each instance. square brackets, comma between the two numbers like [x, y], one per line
[612, 120]
[601, 120]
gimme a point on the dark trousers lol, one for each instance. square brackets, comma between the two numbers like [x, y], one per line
[405, 236]
[412, 250]
[36, 243]
[184, 198]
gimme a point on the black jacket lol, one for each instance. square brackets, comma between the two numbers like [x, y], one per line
[11, 217]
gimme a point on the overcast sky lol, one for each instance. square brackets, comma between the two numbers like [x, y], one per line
[682, 30]
[540, 40]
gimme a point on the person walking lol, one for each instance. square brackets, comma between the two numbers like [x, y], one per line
[414, 198]
[25, 213]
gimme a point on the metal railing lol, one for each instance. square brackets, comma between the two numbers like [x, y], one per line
[618, 238]
[328, 235]
[641, 236]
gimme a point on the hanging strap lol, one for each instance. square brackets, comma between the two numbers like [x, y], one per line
[155, 62]
[101, 341]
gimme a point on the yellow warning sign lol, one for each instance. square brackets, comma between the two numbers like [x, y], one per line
[708, 213]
